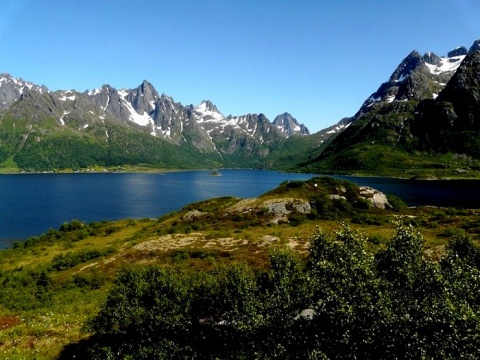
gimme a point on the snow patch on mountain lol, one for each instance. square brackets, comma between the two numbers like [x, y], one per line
[296, 129]
[207, 112]
[447, 64]
[338, 128]
[62, 121]
[402, 77]
[390, 98]
[142, 120]
[207, 115]
[66, 97]
[94, 92]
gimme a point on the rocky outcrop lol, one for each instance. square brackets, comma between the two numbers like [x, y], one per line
[374, 197]
[459, 51]
[337, 197]
[475, 46]
[193, 214]
[281, 208]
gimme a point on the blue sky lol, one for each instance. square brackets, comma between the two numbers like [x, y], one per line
[318, 60]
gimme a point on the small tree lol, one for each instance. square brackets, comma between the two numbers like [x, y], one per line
[346, 293]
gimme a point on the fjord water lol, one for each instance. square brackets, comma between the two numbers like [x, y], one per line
[30, 204]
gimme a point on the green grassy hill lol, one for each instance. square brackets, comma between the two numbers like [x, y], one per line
[231, 270]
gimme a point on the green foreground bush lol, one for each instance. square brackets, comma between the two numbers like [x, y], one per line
[342, 302]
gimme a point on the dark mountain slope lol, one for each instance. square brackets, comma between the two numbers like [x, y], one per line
[451, 123]
[414, 122]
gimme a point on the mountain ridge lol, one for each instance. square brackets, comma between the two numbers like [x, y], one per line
[94, 115]
[414, 119]
[410, 126]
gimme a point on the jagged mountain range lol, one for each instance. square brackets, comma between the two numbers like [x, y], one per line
[143, 106]
[98, 114]
[429, 108]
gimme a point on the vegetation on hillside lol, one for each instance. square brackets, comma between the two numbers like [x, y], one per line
[380, 143]
[220, 279]
[343, 301]
[29, 145]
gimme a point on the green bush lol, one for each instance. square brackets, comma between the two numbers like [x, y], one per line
[397, 203]
[25, 289]
[368, 219]
[295, 184]
[72, 226]
[92, 280]
[71, 259]
[344, 301]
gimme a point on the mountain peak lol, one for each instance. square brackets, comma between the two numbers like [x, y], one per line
[458, 51]
[288, 125]
[143, 98]
[208, 111]
[410, 63]
[12, 88]
[208, 105]
[475, 46]
[417, 77]
[432, 59]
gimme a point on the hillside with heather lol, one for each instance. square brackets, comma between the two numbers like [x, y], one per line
[318, 268]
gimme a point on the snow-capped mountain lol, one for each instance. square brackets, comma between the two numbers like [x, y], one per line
[417, 77]
[429, 103]
[12, 88]
[143, 106]
[165, 118]
[287, 124]
[202, 127]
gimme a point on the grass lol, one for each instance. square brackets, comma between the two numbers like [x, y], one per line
[9, 166]
[43, 307]
[372, 159]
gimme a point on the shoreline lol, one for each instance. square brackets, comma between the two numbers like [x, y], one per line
[153, 170]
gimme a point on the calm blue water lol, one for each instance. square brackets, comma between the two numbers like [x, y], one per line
[31, 204]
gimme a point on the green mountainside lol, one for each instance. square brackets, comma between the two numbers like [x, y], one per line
[43, 145]
[414, 125]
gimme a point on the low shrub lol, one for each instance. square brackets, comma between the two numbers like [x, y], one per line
[71, 259]
[344, 301]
